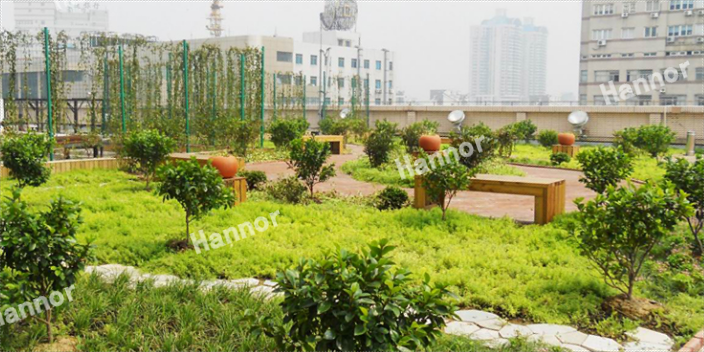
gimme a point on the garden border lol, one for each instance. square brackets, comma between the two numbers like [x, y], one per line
[696, 344]
[61, 166]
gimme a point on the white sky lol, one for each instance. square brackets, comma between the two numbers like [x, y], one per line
[430, 38]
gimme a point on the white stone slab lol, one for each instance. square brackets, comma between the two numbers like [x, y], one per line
[640, 346]
[572, 338]
[460, 328]
[485, 334]
[493, 324]
[601, 344]
[650, 336]
[550, 329]
[512, 331]
[472, 316]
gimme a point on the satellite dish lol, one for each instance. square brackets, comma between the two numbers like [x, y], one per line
[578, 119]
[344, 113]
[456, 118]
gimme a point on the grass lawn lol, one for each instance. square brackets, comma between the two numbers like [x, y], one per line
[530, 273]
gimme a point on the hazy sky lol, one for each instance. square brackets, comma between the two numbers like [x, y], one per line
[430, 38]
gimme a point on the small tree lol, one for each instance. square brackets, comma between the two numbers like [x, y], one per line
[147, 150]
[443, 181]
[411, 134]
[655, 139]
[627, 139]
[285, 130]
[391, 198]
[547, 138]
[380, 143]
[604, 167]
[483, 146]
[26, 156]
[356, 302]
[198, 189]
[41, 250]
[619, 228]
[525, 130]
[308, 160]
[689, 178]
[559, 158]
[506, 138]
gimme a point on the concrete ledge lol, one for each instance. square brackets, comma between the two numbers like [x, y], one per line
[696, 344]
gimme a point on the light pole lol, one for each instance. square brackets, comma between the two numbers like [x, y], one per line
[323, 54]
[386, 66]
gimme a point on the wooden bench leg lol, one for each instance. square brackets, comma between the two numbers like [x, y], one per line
[419, 196]
[541, 207]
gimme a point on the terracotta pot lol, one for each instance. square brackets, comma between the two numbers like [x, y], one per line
[227, 165]
[430, 143]
[565, 138]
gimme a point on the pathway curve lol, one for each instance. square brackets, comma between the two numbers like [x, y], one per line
[520, 208]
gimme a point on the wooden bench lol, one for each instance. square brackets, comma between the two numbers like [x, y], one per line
[337, 143]
[549, 193]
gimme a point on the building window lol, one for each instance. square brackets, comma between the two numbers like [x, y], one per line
[366, 63]
[584, 76]
[313, 80]
[391, 85]
[606, 76]
[632, 75]
[391, 66]
[377, 84]
[601, 34]
[603, 9]
[366, 82]
[582, 99]
[629, 7]
[651, 32]
[627, 33]
[700, 100]
[314, 60]
[699, 76]
[640, 100]
[628, 55]
[681, 4]
[650, 54]
[377, 101]
[340, 42]
[327, 101]
[340, 101]
[378, 65]
[284, 56]
[679, 31]
[298, 80]
[672, 75]
[599, 100]
[673, 99]
[299, 59]
[652, 5]
[341, 82]
[354, 63]
[341, 62]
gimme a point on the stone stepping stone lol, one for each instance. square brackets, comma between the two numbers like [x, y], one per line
[601, 344]
[640, 346]
[573, 338]
[650, 336]
[550, 329]
[498, 343]
[460, 328]
[485, 334]
[575, 348]
[546, 339]
[492, 324]
[265, 292]
[473, 316]
[512, 331]
[270, 283]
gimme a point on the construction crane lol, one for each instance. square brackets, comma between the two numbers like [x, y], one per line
[215, 19]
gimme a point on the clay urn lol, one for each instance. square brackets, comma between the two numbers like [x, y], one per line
[430, 143]
[565, 138]
[227, 165]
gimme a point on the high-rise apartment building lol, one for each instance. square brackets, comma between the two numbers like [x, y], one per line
[642, 53]
[72, 17]
[508, 61]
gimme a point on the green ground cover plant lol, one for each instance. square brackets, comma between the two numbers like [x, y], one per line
[532, 273]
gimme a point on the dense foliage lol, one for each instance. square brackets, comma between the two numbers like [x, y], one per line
[547, 138]
[197, 189]
[559, 158]
[604, 167]
[525, 130]
[506, 138]
[478, 147]
[147, 150]
[40, 250]
[287, 189]
[618, 230]
[284, 130]
[26, 156]
[356, 302]
[651, 139]
[391, 198]
[380, 143]
[689, 178]
[308, 161]
[443, 180]
[255, 179]
[411, 134]
[343, 127]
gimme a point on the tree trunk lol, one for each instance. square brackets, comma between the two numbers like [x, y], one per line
[188, 227]
[49, 333]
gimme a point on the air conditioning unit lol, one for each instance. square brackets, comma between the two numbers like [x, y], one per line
[689, 13]
[663, 91]
[700, 40]
[655, 15]
[671, 39]
[601, 42]
[624, 15]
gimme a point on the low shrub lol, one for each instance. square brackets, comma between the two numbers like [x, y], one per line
[443, 181]
[627, 139]
[547, 138]
[391, 198]
[655, 139]
[26, 156]
[308, 160]
[411, 134]
[147, 150]
[343, 127]
[380, 143]
[525, 130]
[689, 178]
[478, 130]
[288, 189]
[506, 138]
[356, 302]
[255, 179]
[604, 167]
[559, 158]
[284, 130]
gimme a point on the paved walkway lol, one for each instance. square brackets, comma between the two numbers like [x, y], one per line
[517, 207]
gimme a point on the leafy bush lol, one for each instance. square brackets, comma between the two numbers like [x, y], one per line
[655, 139]
[559, 158]
[41, 250]
[308, 160]
[255, 179]
[604, 167]
[356, 302]
[627, 139]
[285, 130]
[547, 138]
[343, 127]
[147, 150]
[380, 143]
[478, 130]
[506, 138]
[411, 134]
[525, 130]
[197, 189]
[288, 189]
[443, 181]
[241, 135]
[26, 156]
[689, 178]
[391, 198]
[483, 146]
[619, 228]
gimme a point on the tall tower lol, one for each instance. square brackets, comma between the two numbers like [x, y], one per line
[215, 18]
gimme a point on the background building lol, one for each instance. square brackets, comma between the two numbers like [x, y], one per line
[624, 41]
[72, 17]
[508, 61]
